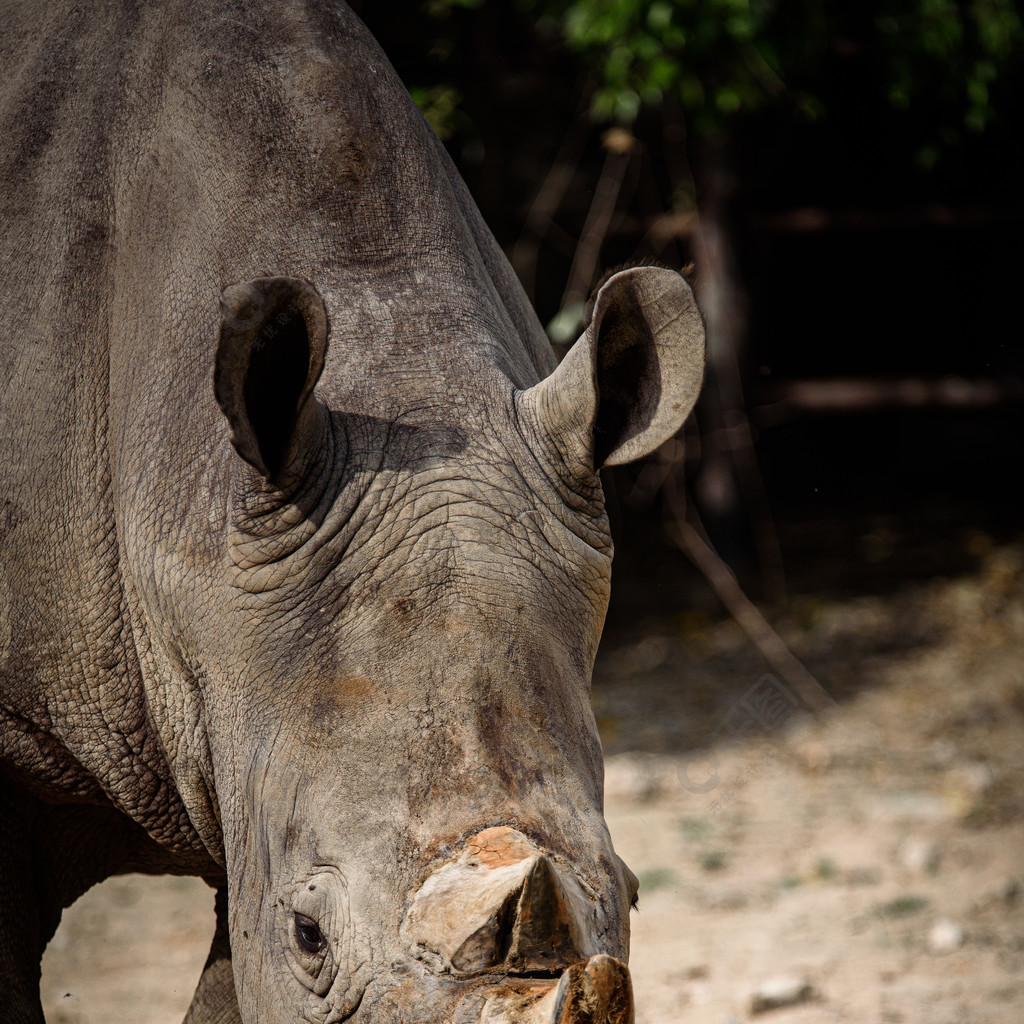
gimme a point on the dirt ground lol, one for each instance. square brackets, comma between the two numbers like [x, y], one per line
[863, 866]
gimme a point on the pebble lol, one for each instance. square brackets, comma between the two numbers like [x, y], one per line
[945, 936]
[965, 787]
[919, 856]
[701, 993]
[925, 806]
[785, 990]
[815, 756]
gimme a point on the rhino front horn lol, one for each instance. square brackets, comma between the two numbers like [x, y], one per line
[502, 904]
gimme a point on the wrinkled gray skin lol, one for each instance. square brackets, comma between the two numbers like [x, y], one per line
[263, 634]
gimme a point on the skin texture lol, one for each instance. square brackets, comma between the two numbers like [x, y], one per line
[303, 550]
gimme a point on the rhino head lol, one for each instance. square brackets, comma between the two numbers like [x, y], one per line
[405, 763]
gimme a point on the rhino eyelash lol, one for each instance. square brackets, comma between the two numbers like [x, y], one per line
[634, 903]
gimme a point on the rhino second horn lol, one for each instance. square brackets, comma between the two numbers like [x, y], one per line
[598, 991]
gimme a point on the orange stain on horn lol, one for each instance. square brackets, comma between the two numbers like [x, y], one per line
[499, 846]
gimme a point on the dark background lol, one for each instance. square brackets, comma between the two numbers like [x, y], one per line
[876, 240]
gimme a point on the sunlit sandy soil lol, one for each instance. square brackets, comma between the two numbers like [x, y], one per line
[873, 856]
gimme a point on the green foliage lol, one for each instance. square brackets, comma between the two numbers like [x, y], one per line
[951, 53]
[712, 860]
[945, 70]
[442, 8]
[694, 829]
[904, 906]
[713, 57]
[825, 869]
[718, 59]
[656, 878]
[440, 106]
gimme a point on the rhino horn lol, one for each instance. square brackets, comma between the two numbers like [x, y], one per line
[595, 991]
[532, 929]
[502, 904]
[544, 934]
[598, 991]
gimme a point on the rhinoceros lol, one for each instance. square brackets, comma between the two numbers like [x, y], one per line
[305, 556]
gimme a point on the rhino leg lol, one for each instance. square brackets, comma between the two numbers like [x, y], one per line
[214, 1001]
[25, 927]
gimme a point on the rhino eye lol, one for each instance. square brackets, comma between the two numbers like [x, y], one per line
[308, 934]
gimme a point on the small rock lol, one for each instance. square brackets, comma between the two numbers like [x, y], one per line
[943, 753]
[786, 990]
[919, 856]
[965, 787]
[945, 936]
[815, 756]
[925, 806]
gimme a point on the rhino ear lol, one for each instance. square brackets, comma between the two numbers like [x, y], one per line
[273, 339]
[631, 380]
